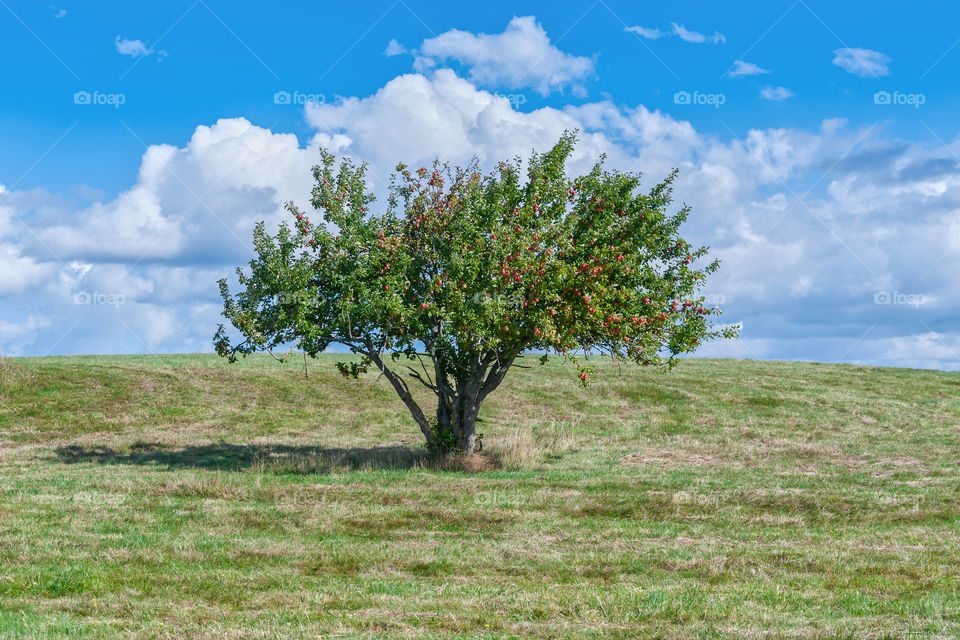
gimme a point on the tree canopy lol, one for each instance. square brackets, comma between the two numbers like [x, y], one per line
[464, 273]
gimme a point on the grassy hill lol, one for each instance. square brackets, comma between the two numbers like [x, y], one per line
[183, 497]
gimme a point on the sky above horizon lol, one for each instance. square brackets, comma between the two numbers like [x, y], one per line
[816, 141]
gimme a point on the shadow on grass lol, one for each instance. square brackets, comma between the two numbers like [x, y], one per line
[276, 458]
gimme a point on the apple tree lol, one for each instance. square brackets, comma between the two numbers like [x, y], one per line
[464, 273]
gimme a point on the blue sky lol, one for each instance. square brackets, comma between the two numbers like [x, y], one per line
[817, 142]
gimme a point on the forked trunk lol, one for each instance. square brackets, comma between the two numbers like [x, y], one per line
[458, 417]
[458, 403]
[459, 407]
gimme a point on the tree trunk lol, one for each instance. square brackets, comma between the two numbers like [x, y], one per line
[459, 408]
[457, 416]
[467, 409]
[468, 430]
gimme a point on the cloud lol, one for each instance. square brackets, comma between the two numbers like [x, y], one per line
[776, 93]
[58, 12]
[650, 34]
[862, 62]
[741, 68]
[679, 31]
[20, 272]
[394, 48]
[16, 336]
[199, 200]
[926, 350]
[415, 118]
[780, 257]
[695, 37]
[135, 48]
[804, 271]
[522, 56]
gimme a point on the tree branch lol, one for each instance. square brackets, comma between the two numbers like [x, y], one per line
[416, 374]
[403, 390]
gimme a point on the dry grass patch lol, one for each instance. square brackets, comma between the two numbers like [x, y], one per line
[525, 448]
[684, 451]
[672, 459]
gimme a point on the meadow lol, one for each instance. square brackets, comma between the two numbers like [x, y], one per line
[184, 497]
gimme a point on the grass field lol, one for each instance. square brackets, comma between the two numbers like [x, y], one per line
[183, 497]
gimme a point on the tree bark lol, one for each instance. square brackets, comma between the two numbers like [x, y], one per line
[468, 437]
[469, 397]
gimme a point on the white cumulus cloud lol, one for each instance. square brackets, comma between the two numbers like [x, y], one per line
[394, 48]
[741, 68]
[135, 48]
[202, 199]
[650, 34]
[862, 62]
[695, 37]
[802, 266]
[521, 56]
[776, 93]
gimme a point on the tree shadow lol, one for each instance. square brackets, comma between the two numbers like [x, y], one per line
[277, 458]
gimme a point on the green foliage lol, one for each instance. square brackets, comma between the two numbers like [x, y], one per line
[471, 270]
[444, 440]
[353, 369]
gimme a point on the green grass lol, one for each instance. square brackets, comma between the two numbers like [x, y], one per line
[182, 497]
